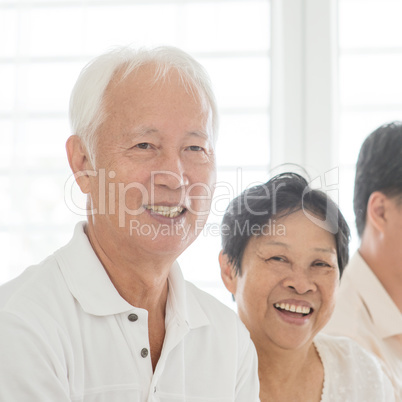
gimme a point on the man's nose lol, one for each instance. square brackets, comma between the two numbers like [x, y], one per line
[300, 280]
[171, 174]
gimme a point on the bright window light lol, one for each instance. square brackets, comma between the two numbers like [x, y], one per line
[370, 63]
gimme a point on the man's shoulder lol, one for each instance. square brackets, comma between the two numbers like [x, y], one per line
[350, 316]
[356, 310]
[43, 287]
[37, 286]
[348, 293]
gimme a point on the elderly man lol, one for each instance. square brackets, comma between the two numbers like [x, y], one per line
[369, 306]
[109, 316]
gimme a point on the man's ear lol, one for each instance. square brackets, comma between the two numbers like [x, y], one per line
[79, 161]
[376, 210]
[228, 274]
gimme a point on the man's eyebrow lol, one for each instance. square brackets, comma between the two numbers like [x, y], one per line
[199, 134]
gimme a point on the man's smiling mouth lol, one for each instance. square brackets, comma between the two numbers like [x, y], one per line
[167, 211]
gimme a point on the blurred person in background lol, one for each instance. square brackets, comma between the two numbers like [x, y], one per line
[284, 248]
[370, 300]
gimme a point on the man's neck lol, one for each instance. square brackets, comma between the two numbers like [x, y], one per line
[140, 279]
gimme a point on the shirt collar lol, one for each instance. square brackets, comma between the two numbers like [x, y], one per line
[182, 301]
[93, 289]
[384, 313]
[87, 279]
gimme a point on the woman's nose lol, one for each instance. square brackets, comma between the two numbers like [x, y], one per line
[300, 280]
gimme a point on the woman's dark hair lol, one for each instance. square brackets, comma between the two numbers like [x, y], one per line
[250, 213]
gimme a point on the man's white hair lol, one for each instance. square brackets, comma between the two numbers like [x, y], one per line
[87, 110]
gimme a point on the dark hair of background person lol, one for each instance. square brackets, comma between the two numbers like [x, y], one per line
[282, 195]
[378, 168]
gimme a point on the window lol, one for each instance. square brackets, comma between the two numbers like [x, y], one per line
[318, 75]
[370, 88]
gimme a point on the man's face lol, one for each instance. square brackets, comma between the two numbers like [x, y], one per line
[156, 149]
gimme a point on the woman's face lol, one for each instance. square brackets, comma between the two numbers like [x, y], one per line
[286, 292]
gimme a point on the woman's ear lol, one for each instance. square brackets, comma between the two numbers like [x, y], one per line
[228, 273]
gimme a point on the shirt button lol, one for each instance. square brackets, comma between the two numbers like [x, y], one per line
[133, 317]
[144, 352]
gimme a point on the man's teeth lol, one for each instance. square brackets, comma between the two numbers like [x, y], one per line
[293, 308]
[169, 212]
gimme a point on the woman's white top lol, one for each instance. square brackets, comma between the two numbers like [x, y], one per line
[351, 374]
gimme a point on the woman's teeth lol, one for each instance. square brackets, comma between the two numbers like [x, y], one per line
[293, 308]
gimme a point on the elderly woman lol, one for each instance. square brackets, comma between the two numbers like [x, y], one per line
[285, 246]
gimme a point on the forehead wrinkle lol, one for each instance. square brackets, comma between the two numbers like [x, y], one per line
[141, 131]
[328, 250]
[199, 134]
[273, 243]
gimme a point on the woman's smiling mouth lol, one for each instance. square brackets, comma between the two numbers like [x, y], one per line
[293, 308]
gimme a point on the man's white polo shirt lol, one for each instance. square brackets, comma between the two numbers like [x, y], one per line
[67, 335]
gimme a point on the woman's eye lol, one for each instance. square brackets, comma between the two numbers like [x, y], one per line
[321, 264]
[276, 258]
[143, 145]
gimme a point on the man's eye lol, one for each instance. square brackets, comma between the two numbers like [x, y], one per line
[195, 148]
[143, 145]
